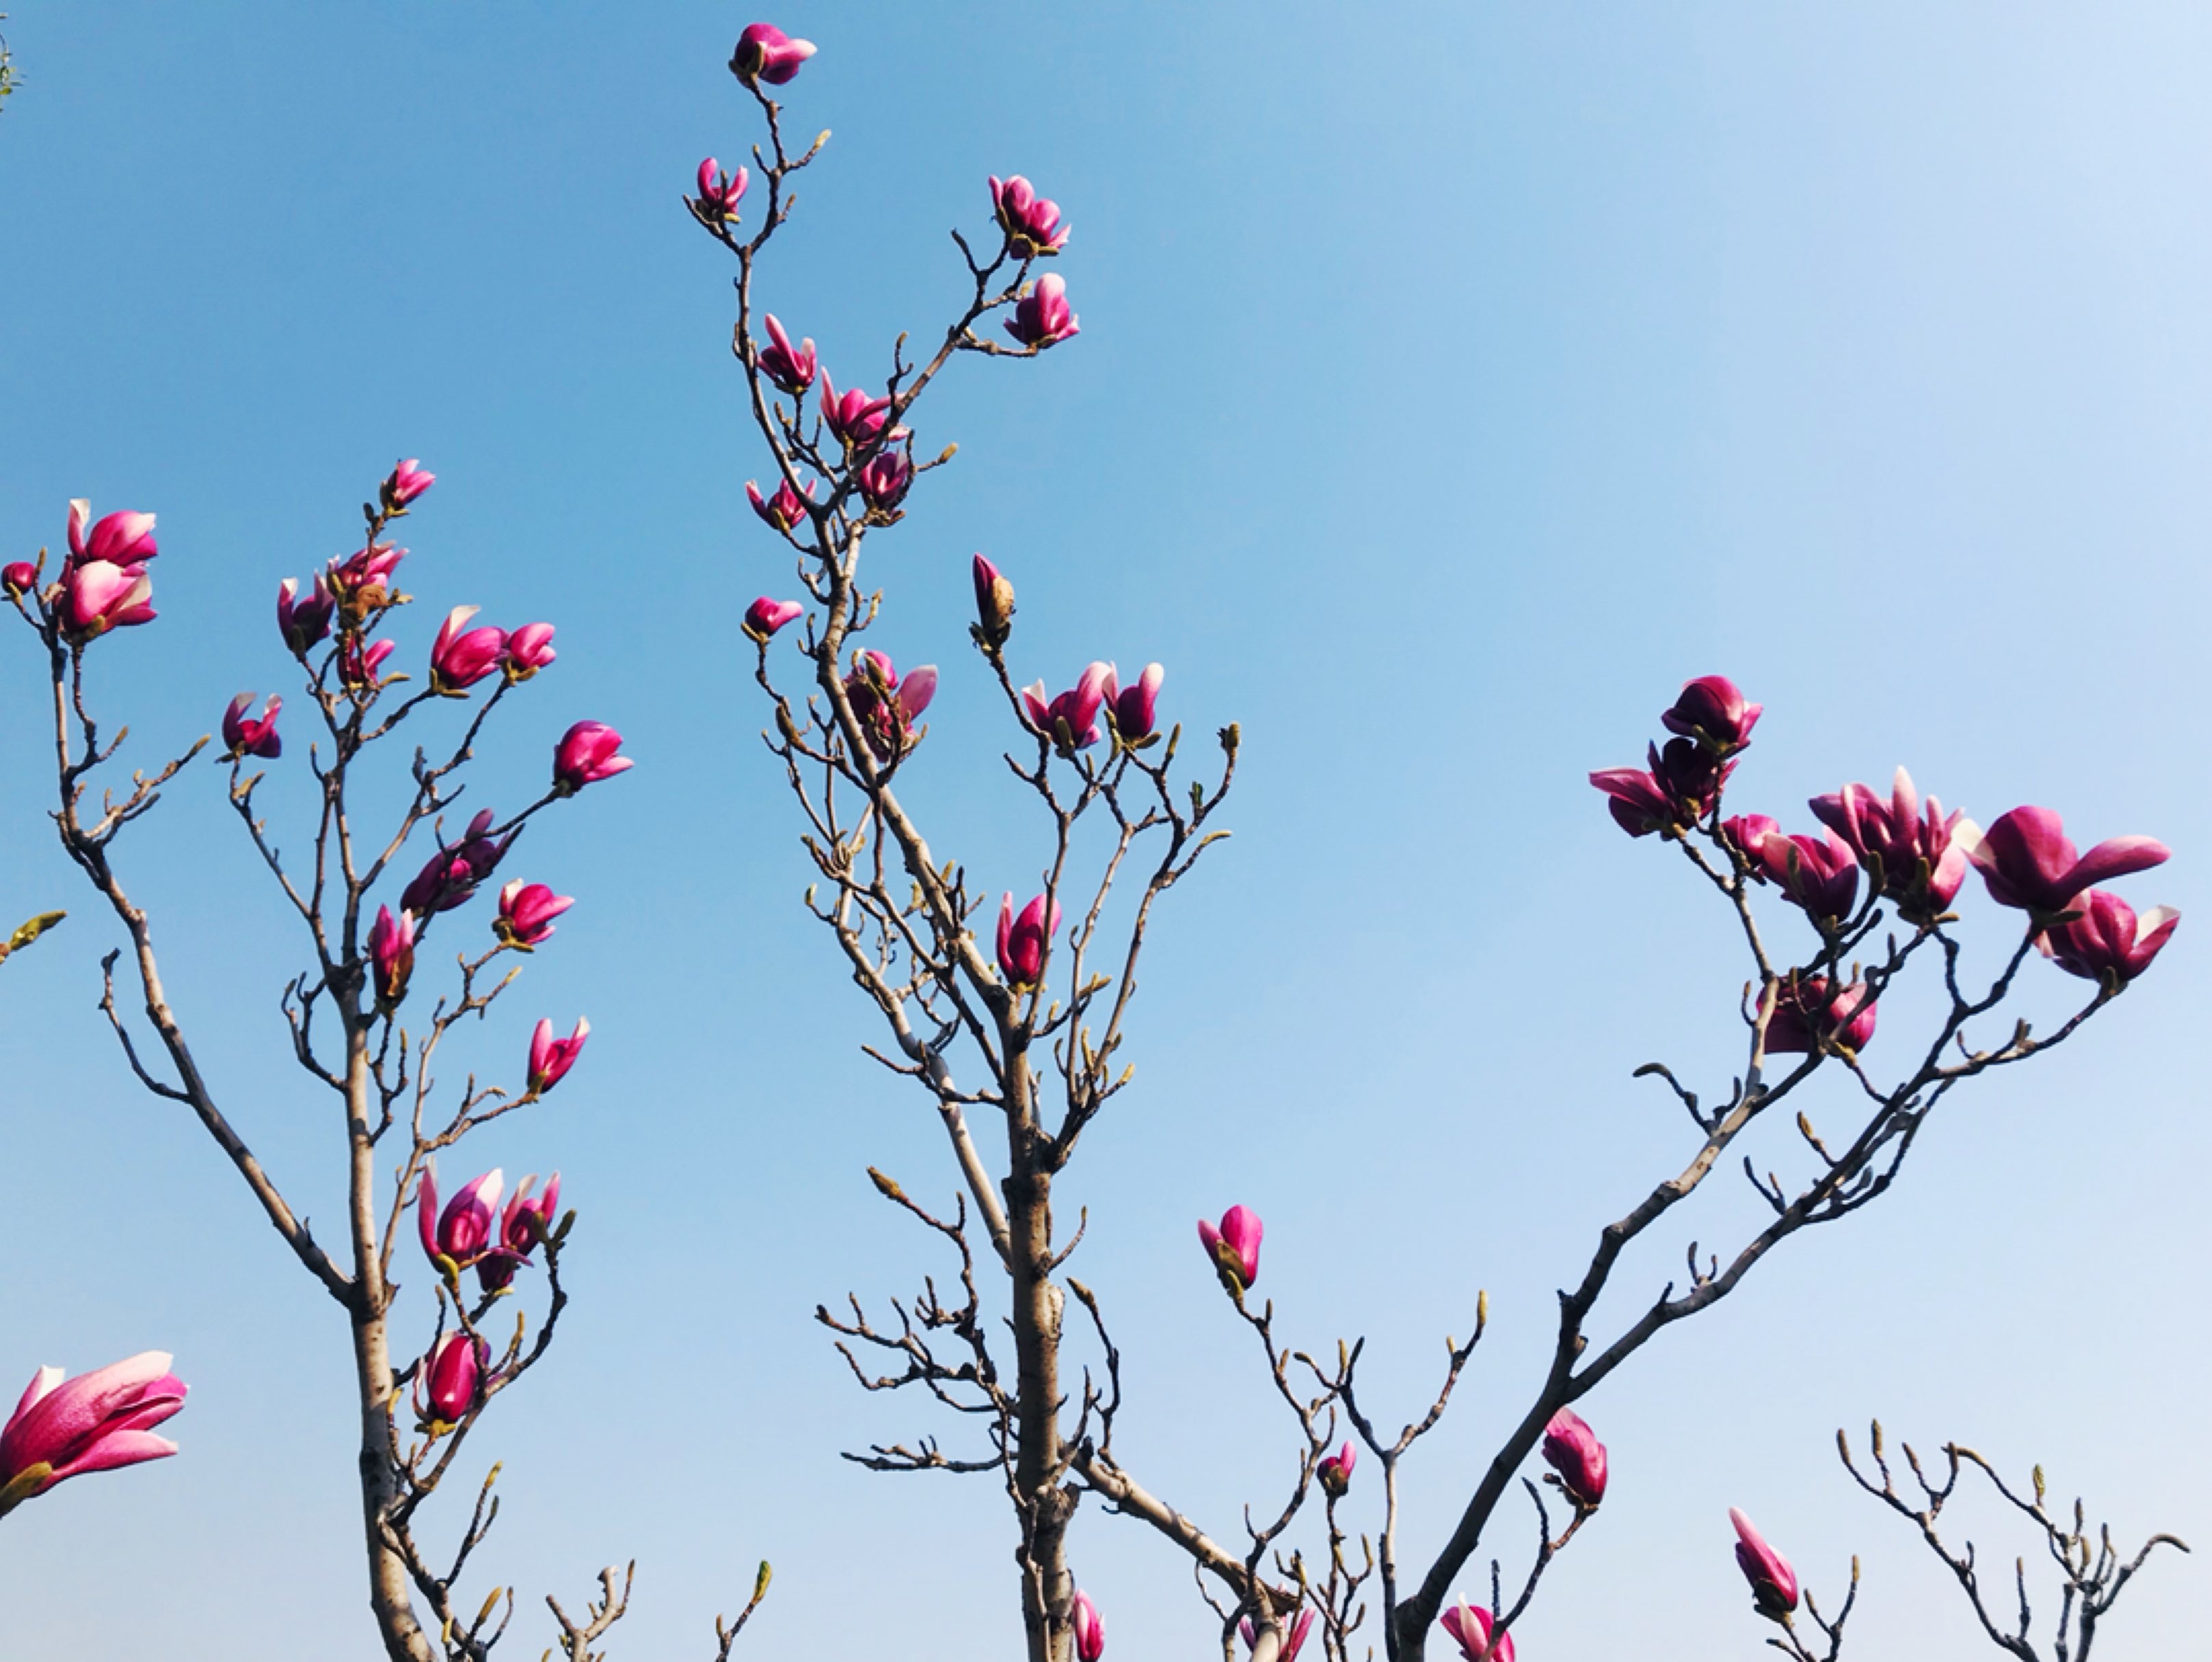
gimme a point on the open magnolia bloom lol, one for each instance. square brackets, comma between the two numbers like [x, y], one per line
[63, 1428]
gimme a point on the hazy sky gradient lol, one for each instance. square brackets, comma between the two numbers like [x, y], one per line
[1455, 381]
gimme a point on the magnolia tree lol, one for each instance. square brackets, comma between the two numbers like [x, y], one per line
[1007, 1002]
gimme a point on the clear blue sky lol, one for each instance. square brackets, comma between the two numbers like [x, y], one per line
[1455, 381]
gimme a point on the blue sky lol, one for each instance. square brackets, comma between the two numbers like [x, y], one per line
[1455, 381]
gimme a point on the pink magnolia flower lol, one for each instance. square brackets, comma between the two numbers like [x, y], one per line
[1089, 1631]
[994, 604]
[97, 597]
[585, 755]
[451, 875]
[765, 616]
[468, 1225]
[304, 623]
[853, 416]
[460, 657]
[63, 1428]
[720, 192]
[1572, 1450]
[529, 649]
[19, 577]
[392, 954]
[1805, 1012]
[123, 539]
[359, 661]
[1031, 223]
[1921, 856]
[1335, 1472]
[1022, 941]
[1682, 782]
[886, 707]
[552, 1058]
[406, 481]
[527, 911]
[1295, 1629]
[766, 53]
[2108, 943]
[1130, 706]
[251, 736]
[1041, 317]
[2028, 861]
[1820, 874]
[784, 510]
[362, 580]
[791, 368]
[1070, 721]
[1714, 713]
[1469, 1625]
[1773, 1583]
[525, 1223]
[1744, 832]
[885, 477]
[445, 1380]
[1234, 1246]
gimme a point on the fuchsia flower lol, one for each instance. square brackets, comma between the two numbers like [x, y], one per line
[304, 623]
[445, 1380]
[1130, 706]
[552, 1058]
[451, 875]
[1714, 713]
[1683, 782]
[1031, 223]
[1041, 317]
[1920, 856]
[766, 53]
[2028, 861]
[764, 617]
[362, 580]
[252, 737]
[358, 662]
[63, 1428]
[529, 649]
[854, 417]
[1234, 1246]
[392, 954]
[97, 597]
[406, 481]
[19, 577]
[467, 1227]
[994, 604]
[1804, 1013]
[1744, 832]
[2108, 943]
[527, 911]
[886, 707]
[1089, 1631]
[122, 538]
[885, 477]
[1820, 874]
[584, 756]
[1335, 1472]
[461, 657]
[525, 1223]
[720, 192]
[1022, 941]
[1572, 1450]
[1071, 721]
[792, 369]
[1773, 1583]
[1295, 1629]
[785, 509]
[1469, 1625]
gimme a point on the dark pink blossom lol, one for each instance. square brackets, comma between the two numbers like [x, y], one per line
[1572, 1450]
[1090, 1630]
[1711, 711]
[720, 192]
[2028, 862]
[304, 623]
[121, 539]
[460, 657]
[765, 616]
[445, 1380]
[391, 955]
[527, 911]
[403, 483]
[451, 875]
[1335, 1472]
[1773, 1583]
[466, 1226]
[1469, 1625]
[1030, 222]
[2108, 943]
[552, 1058]
[1130, 706]
[1070, 721]
[1041, 317]
[1235, 1245]
[885, 477]
[1804, 1014]
[63, 1428]
[1919, 853]
[529, 649]
[786, 509]
[994, 604]
[1295, 1629]
[362, 580]
[766, 53]
[525, 1223]
[791, 368]
[853, 416]
[245, 735]
[359, 660]
[97, 597]
[1022, 941]
[886, 707]
[18, 578]
[1820, 874]
[585, 755]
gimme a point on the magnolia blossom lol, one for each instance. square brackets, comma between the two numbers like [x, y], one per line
[63, 1428]
[1070, 721]
[1334, 1471]
[765, 616]
[1031, 223]
[1744, 832]
[468, 1225]
[853, 415]
[97, 597]
[362, 580]
[552, 1058]
[1773, 1583]
[1132, 705]
[460, 656]
[995, 603]
[405, 482]
[445, 1380]
[586, 755]
[18, 578]
[392, 954]
[1234, 1246]
[766, 53]
[786, 509]
[525, 1222]
[1805, 1012]
[121, 539]
[358, 662]
[1022, 940]
[1572, 1450]
[1089, 1631]
[1295, 1629]
[2028, 862]
[529, 649]
[791, 368]
[1469, 1625]
[1711, 711]
[244, 735]
[1681, 783]
[886, 707]
[1041, 317]
[451, 875]
[885, 477]
[2108, 943]
[1820, 874]
[720, 192]
[304, 623]
[1919, 855]
[527, 911]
